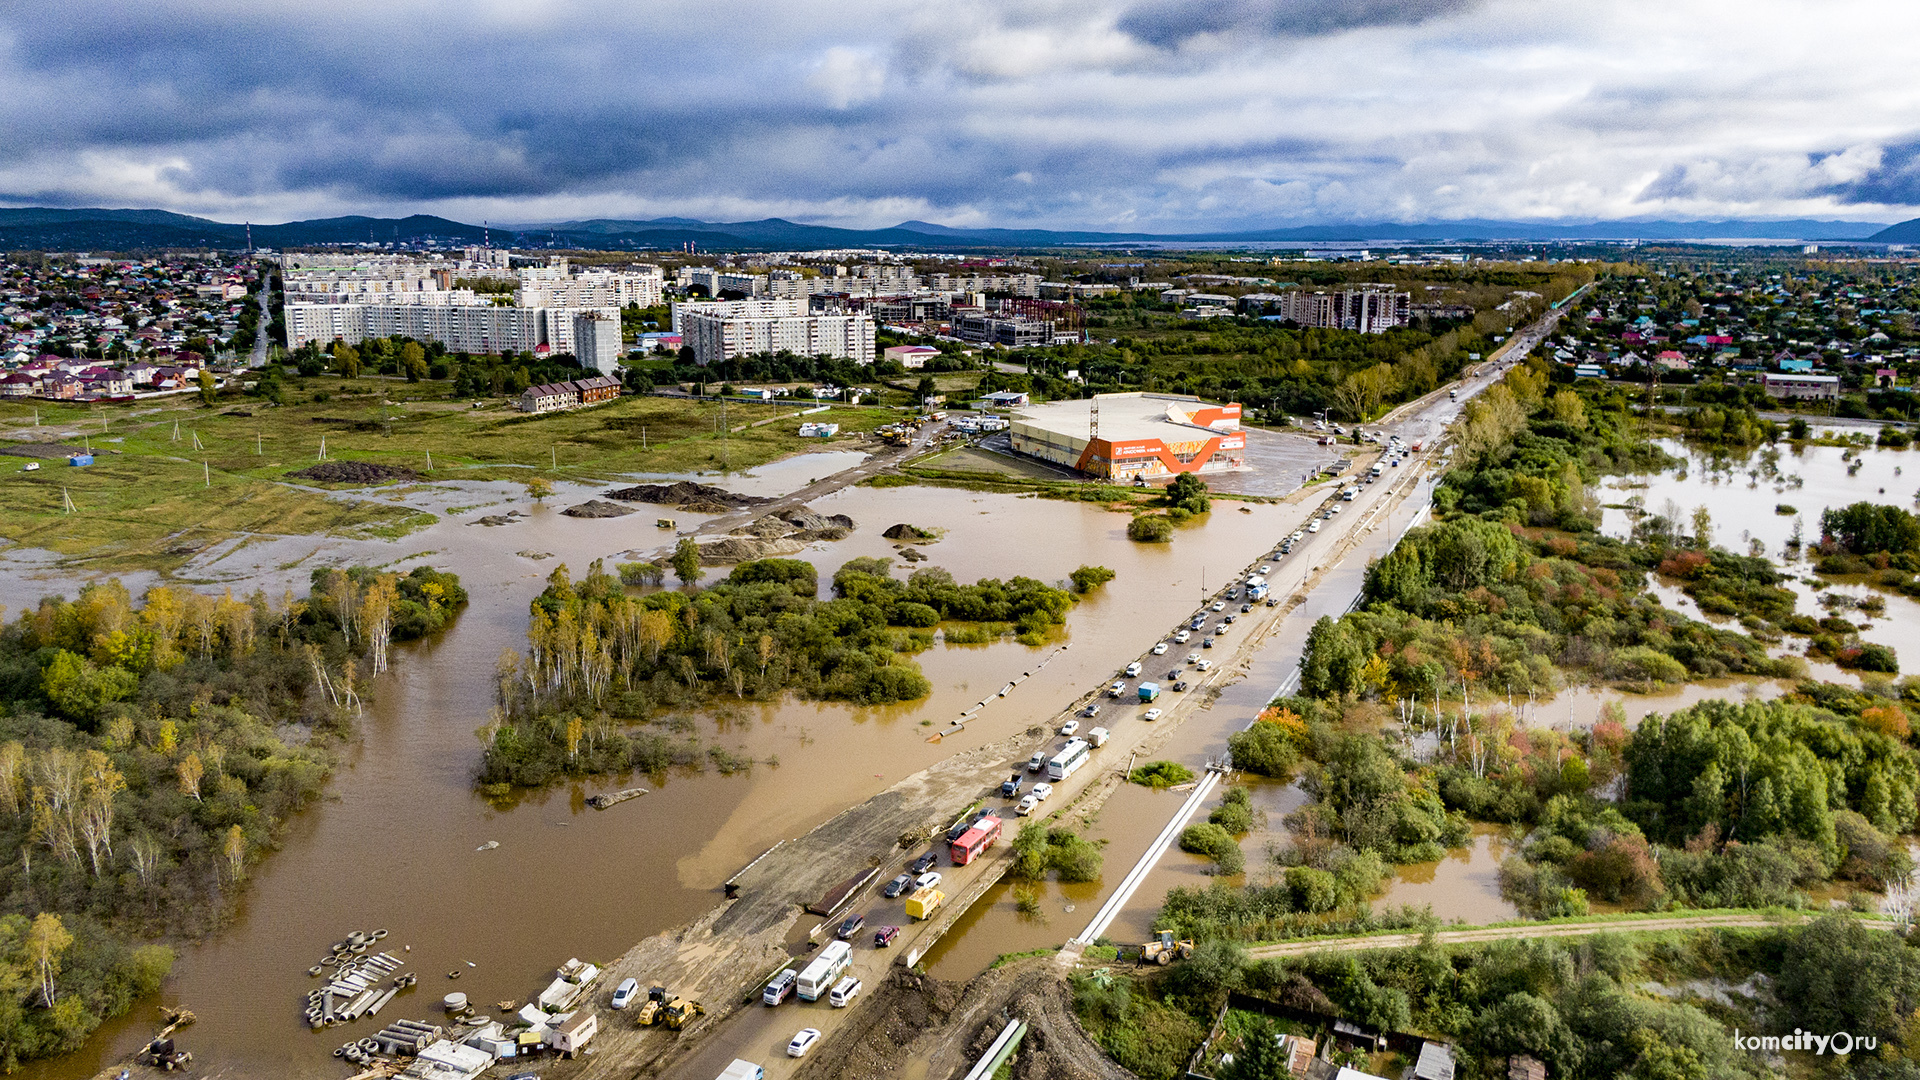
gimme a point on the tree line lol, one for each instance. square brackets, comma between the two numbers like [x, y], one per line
[597, 655]
[146, 762]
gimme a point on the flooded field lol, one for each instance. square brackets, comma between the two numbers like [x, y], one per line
[395, 843]
[1748, 497]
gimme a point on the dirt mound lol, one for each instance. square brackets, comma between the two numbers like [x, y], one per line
[354, 472]
[903, 531]
[50, 451]
[507, 518]
[738, 549]
[597, 508]
[807, 519]
[913, 554]
[765, 528]
[916, 1018]
[801, 525]
[681, 492]
[705, 506]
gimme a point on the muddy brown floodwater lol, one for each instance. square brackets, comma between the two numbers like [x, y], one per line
[1743, 493]
[393, 844]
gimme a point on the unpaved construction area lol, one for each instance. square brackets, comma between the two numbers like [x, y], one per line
[918, 1026]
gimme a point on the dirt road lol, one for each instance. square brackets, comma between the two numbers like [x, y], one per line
[1532, 930]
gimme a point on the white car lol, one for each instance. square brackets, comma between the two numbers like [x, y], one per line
[1069, 727]
[1314, 525]
[1297, 535]
[1203, 665]
[927, 880]
[627, 991]
[1160, 649]
[1264, 569]
[1183, 637]
[1133, 669]
[1042, 790]
[1219, 605]
[1150, 714]
[1026, 806]
[1193, 658]
[803, 1042]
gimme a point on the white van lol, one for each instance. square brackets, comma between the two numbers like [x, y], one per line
[844, 993]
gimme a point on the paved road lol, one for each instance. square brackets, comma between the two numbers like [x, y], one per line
[1328, 569]
[1529, 930]
[261, 339]
[1327, 565]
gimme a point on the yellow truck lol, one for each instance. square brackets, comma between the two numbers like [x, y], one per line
[924, 902]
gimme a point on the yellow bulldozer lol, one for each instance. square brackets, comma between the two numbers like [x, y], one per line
[650, 1012]
[681, 1010]
[1163, 949]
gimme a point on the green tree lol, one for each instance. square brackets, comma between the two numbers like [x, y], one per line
[686, 561]
[208, 386]
[1188, 492]
[1258, 1057]
[79, 689]
[539, 487]
[47, 941]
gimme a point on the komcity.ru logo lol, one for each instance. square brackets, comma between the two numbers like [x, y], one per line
[1806, 1041]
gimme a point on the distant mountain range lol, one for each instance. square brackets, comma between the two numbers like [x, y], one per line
[1906, 232]
[49, 229]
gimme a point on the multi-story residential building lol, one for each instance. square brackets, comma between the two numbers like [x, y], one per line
[596, 340]
[595, 289]
[723, 330]
[1016, 284]
[718, 281]
[1370, 309]
[1014, 332]
[462, 327]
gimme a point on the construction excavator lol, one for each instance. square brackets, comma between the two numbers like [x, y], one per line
[1162, 950]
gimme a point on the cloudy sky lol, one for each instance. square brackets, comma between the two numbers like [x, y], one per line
[1110, 114]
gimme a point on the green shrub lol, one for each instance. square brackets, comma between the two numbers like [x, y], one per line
[1150, 529]
[1160, 774]
[1235, 812]
[1088, 578]
[1215, 843]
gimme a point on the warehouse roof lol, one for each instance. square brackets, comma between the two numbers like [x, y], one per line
[1167, 417]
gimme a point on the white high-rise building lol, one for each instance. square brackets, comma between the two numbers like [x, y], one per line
[724, 330]
[597, 340]
[469, 328]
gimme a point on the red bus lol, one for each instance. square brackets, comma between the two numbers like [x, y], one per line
[975, 840]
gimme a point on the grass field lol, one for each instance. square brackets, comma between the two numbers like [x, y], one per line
[152, 499]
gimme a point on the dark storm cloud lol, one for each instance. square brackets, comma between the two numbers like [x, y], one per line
[1167, 23]
[1112, 113]
[1896, 180]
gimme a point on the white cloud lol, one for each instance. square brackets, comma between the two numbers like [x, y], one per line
[1070, 113]
[847, 76]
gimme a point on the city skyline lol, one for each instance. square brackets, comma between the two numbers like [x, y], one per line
[1136, 117]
